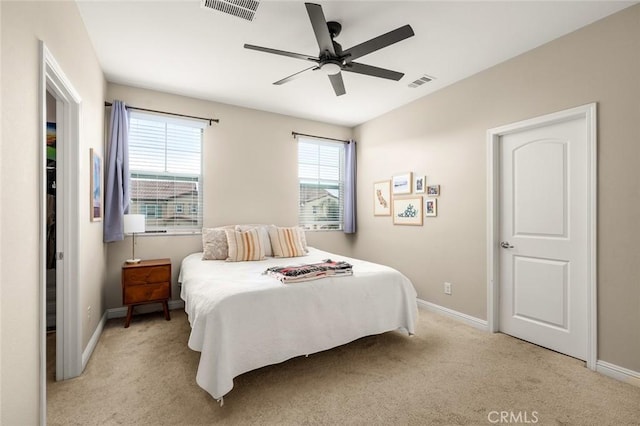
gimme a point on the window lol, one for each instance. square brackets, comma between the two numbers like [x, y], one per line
[149, 210]
[321, 167]
[165, 162]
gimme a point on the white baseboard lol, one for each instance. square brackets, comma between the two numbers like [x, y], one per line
[143, 309]
[467, 319]
[618, 373]
[86, 354]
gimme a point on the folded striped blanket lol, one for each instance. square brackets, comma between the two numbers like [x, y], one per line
[313, 271]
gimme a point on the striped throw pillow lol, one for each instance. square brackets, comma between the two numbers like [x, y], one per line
[263, 232]
[286, 242]
[244, 246]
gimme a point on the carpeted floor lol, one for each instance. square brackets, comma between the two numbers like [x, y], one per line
[447, 374]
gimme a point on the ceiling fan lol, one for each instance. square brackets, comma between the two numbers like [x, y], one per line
[332, 59]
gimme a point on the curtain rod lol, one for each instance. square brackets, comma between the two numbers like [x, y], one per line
[318, 137]
[210, 120]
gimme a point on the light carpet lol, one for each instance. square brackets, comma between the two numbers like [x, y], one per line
[447, 374]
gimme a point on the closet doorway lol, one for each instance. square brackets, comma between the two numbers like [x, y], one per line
[59, 220]
[51, 249]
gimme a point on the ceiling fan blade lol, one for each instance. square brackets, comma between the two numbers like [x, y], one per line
[319, 24]
[294, 76]
[337, 83]
[359, 68]
[281, 52]
[379, 42]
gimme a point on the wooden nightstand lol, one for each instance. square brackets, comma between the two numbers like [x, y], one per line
[146, 282]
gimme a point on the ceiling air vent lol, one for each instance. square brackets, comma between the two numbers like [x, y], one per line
[245, 9]
[419, 82]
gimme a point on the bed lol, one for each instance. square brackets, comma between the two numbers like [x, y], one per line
[242, 319]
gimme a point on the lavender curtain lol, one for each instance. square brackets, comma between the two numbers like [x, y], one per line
[116, 196]
[350, 189]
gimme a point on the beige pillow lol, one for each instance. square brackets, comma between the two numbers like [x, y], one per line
[263, 233]
[244, 246]
[286, 242]
[214, 244]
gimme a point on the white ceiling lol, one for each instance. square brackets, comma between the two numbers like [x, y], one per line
[179, 47]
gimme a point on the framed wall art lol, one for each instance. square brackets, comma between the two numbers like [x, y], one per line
[402, 183]
[433, 190]
[382, 198]
[407, 211]
[419, 184]
[96, 186]
[431, 207]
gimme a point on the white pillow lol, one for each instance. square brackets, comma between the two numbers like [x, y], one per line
[263, 234]
[303, 239]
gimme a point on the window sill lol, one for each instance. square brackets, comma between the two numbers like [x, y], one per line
[169, 233]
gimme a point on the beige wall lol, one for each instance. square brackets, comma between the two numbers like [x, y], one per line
[444, 137]
[250, 176]
[59, 25]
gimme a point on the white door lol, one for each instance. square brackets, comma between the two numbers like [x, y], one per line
[543, 235]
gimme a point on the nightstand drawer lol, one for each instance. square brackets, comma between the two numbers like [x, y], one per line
[147, 275]
[147, 293]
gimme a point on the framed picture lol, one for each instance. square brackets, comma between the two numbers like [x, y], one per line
[402, 183]
[96, 186]
[407, 211]
[431, 207]
[419, 184]
[433, 190]
[382, 198]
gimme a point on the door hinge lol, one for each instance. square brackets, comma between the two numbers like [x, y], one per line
[60, 255]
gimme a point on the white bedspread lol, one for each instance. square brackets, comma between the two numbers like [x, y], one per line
[242, 320]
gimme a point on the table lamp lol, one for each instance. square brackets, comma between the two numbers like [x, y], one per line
[134, 224]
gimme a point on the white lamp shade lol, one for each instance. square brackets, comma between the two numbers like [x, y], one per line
[134, 223]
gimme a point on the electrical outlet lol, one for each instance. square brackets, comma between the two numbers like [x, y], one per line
[89, 312]
[447, 288]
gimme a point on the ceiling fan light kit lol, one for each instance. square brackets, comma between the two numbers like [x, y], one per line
[331, 68]
[332, 59]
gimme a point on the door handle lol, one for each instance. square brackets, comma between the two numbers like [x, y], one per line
[505, 244]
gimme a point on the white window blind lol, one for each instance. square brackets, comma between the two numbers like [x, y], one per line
[321, 172]
[165, 162]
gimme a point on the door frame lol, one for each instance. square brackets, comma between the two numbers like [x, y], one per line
[68, 344]
[589, 113]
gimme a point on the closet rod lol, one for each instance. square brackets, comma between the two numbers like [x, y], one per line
[318, 137]
[210, 120]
